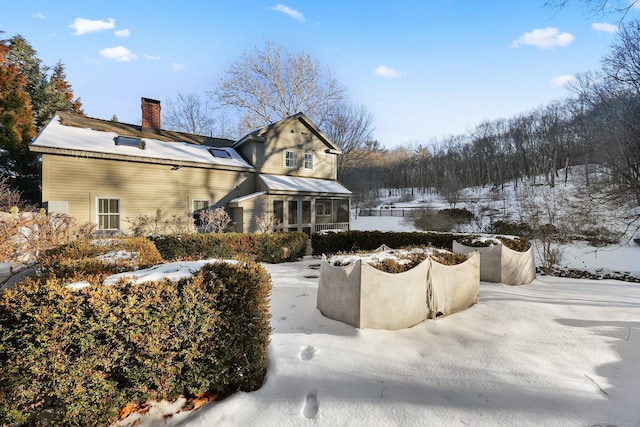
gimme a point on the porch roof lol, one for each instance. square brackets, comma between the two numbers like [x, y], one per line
[239, 200]
[296, 184]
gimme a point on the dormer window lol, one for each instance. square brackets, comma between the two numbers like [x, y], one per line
[289, 159]
[220, 153]
[129, 141]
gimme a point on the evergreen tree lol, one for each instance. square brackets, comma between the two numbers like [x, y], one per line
[27, 103]
[23, 56]
[58, 97]
[16, 126]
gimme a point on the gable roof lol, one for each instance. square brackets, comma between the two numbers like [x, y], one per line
[258, 134]
[66, 135]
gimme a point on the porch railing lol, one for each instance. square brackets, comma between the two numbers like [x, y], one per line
[334, 226]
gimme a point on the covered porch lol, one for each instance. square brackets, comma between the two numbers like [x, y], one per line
[295, 204]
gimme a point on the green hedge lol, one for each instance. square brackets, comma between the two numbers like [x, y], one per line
[75, 358]
[95, 259]
[347, 241]
[258, 247]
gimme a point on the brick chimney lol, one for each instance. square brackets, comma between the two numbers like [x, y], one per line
[150, 115]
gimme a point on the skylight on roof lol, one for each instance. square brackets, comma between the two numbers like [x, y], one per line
[218, 152]
[129, 141]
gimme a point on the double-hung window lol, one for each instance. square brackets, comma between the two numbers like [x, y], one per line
[199, 207]
[289, 159]
[108, 214]
[308, 161]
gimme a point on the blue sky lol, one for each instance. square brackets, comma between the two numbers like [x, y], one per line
[424, 69]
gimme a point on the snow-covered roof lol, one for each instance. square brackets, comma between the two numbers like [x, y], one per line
[247, 197]
[305, 185]
[58, 136]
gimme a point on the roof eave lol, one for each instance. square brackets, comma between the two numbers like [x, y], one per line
[307, 193]
[250, 137]
[135, 159]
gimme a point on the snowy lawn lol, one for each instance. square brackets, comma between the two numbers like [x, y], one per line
[553, 352]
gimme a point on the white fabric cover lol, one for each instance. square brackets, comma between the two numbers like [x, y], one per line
[499, 264]
[393, 301]
[365, 297]
[453, 287]
[518, 268]
[490, 260]
[339, 292]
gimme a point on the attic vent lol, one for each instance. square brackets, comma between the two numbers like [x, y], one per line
[129, 141]
[217, 152]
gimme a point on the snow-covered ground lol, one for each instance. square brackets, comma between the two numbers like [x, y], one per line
[561, 352]
[555, 352]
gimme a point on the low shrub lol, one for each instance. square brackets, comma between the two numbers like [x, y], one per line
[354, 240]
[98, 258]
[510, 228]
[461, 215]
[440, 220]
[399, 260]
[598, 236]
[519, 244]
[259, 247]
[76, 358]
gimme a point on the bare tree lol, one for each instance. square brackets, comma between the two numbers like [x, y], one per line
[267, 85]
[622, 64]
[9, 196]
[267, 223]
[598, 6]
[216, 220]
[190, 113]
[349, 127]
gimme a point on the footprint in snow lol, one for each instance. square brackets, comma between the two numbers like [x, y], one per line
[307, 353]
[311, 405]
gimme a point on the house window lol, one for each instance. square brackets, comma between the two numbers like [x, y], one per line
[293, 212]
[278, 210]
[199, 206]
[289, 159]
[308, 161]
[109, 214]
[323, 207]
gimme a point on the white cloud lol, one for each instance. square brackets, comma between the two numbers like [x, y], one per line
[38, 15]
[84, 26]
[385, 71]
[119, 53]
[604, 26]
[177, 67]
[564, 80]
[151, 57]
[635, 4]
[288, 11]
[545, 38]
[122, 33]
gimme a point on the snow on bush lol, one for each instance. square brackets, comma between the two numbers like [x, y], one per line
[398, 260]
